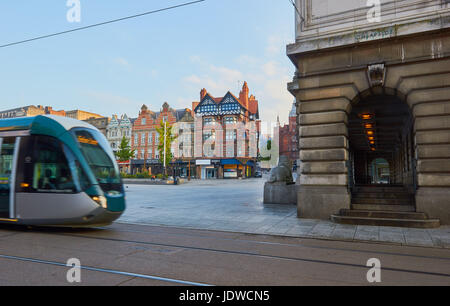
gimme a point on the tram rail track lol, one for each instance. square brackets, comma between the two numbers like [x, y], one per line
[185, 246]
[110, 271]
[286, 244]
[245, 253]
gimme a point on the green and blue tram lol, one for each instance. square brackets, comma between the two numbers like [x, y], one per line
[57, 171]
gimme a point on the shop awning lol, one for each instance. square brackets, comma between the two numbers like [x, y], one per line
[230, 162]
[251, 163]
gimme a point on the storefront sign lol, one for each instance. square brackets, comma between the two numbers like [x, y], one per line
[201, 162]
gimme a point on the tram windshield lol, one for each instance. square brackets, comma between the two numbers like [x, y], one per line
[100, 158]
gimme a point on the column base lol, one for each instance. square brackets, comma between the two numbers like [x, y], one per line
[320, 202]
[435, 203]
[280, 193]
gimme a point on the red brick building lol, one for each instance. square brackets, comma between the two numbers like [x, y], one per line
[288, 137]
[226, 135]
[145, 138]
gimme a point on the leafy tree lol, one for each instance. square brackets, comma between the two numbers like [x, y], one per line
[170, 138]
[125, 152]
[269, 144]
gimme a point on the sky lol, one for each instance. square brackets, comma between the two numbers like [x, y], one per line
[168, 56]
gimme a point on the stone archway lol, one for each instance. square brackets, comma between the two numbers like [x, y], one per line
[325, 101]
[380, 125]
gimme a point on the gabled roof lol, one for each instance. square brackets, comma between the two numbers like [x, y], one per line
[229, 94]
[218, 101]
[206, 98]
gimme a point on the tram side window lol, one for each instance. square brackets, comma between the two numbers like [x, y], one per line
[51, 172]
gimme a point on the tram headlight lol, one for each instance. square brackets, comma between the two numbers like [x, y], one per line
[100, 200]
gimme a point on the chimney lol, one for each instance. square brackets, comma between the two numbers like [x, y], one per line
[243, 95]
[203, 93]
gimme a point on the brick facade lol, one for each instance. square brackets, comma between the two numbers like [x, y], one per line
[226, 134]
[288, 137]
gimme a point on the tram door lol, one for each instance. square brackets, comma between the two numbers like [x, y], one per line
[7, 146]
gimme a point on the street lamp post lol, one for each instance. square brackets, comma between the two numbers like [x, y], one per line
[165, 136]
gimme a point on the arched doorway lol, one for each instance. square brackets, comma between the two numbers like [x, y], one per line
[381, 146]
[379, 171]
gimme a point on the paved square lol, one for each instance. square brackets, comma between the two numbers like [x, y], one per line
[237, 206]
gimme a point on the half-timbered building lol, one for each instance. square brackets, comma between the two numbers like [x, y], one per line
[226, 135]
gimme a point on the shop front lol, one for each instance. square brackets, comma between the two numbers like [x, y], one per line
[151, 166]
[124, 167]
[208, 169]
[233, 168]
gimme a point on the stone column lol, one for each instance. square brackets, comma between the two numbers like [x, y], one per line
[432, 138]
[323, 155]
[324, 103]
[427, 90]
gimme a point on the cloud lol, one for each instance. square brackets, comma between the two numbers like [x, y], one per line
[266, 75]
[271, 68]
[276, 45]
[217, 80]
[122, 62]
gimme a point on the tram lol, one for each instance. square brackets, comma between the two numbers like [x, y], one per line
[57, 171]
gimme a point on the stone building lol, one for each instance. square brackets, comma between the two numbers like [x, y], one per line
[82, 115]
[100, 123]
[30, 111]
[372, 88]
[118, 128]
[183, 146]
[226, 136]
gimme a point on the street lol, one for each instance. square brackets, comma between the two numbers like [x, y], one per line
[237, 206]
[145, 255]
[337, 113]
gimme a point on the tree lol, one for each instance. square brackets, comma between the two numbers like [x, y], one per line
[170, 138]
[125, 152]
[269, 144]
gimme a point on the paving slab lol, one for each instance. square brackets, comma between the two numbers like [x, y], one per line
[237, 206]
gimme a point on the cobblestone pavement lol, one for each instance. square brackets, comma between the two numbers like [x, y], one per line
[237, 206]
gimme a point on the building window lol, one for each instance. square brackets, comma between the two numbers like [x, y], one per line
[143, 139]
[150, 138]
[209, 135]
[144, 121]
[230, 107]
[209, 121]
[231, 135]
[209, 108]
[230, 120]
